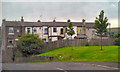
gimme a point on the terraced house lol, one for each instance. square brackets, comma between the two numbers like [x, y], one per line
[48, 31]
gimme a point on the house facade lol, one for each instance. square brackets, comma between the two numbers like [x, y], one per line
[48, 31]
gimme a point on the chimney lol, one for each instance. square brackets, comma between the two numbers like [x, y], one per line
[83, 21]
[22, 20]
[38, 21]
[3, 20]
[68, 20]
[54, 20]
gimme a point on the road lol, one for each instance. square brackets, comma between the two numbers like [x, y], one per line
[63, 66]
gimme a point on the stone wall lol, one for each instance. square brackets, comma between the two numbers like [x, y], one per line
[23, 59]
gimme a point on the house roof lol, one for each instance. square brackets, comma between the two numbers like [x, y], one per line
[53, 24]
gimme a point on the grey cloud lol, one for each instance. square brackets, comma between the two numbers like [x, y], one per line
[61, 10]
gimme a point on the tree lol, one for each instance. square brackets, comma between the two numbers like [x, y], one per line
[101, 24]
[70, 31]
[29, 44]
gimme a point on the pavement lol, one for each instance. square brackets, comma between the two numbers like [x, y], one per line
[62, 66]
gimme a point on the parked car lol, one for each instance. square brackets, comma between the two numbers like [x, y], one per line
[80, 37]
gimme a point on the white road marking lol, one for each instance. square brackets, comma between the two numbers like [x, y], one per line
[61, 69]
[107, 67]
[98, 65]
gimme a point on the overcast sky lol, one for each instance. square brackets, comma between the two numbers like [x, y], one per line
[47, 11]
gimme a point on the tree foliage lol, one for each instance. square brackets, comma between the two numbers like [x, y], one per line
[70, 31]
[101, 24]
[117, 41]
[29, 44]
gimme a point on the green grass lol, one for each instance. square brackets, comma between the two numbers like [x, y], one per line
[84, 53]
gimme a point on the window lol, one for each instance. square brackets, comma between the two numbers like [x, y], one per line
[54, 29]
[61, 31]
[10, 46]
[28, 30]
[80, 30]
[46, 31]
[44, 40]
[50, 40]
[18, 30]
[65, 30]
[10, 40]
[11, 30]
[34, 29]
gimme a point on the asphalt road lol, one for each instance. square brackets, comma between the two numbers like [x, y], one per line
[63, 66]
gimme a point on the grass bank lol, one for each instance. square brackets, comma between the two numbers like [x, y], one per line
[84, 53]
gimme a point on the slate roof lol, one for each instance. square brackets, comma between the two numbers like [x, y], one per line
[52, 24]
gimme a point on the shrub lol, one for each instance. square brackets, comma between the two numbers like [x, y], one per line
[29, 44]
[117, 41]
[95, 44]
[18, 54]
[87, 44]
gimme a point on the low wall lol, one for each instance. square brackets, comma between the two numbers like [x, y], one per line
[23, 59]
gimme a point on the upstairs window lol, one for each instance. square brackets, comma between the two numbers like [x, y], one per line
[80, 30]
[28, 30]
[54, 29]
[46, 31]
[61, 31]
[11, 30]
[10, 40]
[34, 29]
[65, 30]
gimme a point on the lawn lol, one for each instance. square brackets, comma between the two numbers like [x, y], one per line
[84, 53]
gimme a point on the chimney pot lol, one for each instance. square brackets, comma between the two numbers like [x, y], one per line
[68, 20]
[38, 20]
[83, 21]
[54, 20]
[3, 20]
[22, 20]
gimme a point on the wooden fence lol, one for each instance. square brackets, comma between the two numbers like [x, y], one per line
[76, 42]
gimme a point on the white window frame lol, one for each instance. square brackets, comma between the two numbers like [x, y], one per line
[27, 30]
[45, 30]
[54, 28]
[9, 31]
[10, 40]
[34, 28]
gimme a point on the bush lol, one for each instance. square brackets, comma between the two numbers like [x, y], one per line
[18, 54]
[29, 44]
[87, 44]
[117, 41]
[95, 44]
